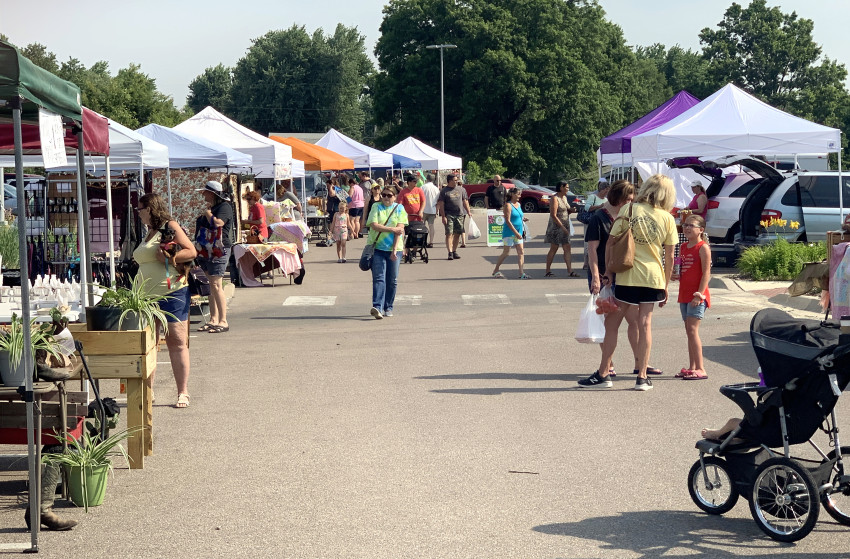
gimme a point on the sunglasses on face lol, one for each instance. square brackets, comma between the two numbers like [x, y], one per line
[387, 195]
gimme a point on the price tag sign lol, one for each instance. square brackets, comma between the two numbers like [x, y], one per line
[52, 139]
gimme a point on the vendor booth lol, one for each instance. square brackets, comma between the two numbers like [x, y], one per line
[26, 92]
[427, 156]
[363, 156]
[616, 149]
[730, 122]
[187, 151]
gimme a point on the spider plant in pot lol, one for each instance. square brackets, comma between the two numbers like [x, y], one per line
[12, 348]
[128, 309]
[88, 462]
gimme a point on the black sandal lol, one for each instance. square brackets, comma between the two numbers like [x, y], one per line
[549, 275]
[218, 329]
[205, 328]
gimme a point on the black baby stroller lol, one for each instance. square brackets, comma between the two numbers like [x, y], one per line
[417, 241]
[805, 365]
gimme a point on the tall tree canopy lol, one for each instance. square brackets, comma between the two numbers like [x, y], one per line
[212, 88]
[296, 82]
[533, 83]
[130, 97]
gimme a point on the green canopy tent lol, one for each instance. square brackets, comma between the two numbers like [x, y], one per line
[24, 89]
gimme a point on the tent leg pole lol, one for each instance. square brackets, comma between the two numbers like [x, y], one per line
[27, 358]
[168, 180]
[82, 225]
[840, 185]
[110, 234]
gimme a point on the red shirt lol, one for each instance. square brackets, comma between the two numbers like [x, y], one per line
[412, 199]
[691, 274]
[258, 212]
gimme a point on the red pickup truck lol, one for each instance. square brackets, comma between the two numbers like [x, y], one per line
[530, 200]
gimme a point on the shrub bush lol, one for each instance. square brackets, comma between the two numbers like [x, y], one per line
[780, 260]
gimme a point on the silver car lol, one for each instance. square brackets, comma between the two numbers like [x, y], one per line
[810, 198]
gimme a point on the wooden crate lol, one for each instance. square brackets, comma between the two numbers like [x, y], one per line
[835, 237]
[129, 355]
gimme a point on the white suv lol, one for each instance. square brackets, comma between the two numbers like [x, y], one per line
[810, 198]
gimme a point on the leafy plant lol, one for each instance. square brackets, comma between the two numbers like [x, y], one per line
[138, 299]
[89, 452]
[779, 260]
[9, 246]
[41, 337]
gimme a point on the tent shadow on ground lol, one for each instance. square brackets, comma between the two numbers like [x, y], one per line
[678, 533]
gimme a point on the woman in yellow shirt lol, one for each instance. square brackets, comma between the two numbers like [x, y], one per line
[639, 288]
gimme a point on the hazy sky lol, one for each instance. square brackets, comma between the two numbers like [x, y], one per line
[175, 40]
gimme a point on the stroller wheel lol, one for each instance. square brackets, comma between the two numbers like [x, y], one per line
[785, 502]
[836, 502]
[425, 259]
[719, 494]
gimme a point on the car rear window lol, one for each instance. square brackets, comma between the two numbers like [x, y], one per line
[746, 188]
[818, 191]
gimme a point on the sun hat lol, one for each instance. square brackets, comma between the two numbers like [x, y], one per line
[214, 187]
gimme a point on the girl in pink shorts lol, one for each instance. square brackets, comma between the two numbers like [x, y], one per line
[339, 230]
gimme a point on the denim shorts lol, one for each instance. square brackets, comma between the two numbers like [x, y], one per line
[696, 312]
[215, 266]
[177, 303]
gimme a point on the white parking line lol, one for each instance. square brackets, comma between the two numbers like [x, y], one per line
[301, 301]
[413, 300]
[486, 299]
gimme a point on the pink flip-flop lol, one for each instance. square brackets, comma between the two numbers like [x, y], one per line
[683, 373]
[695, 375]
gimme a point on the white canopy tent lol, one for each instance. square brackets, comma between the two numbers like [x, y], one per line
[430, 158]
[364, 157]
[186, 150]
[272, 160]
[731, 122]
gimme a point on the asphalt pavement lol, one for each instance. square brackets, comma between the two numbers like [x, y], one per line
[454, 429]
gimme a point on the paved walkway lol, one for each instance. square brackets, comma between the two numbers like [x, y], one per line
[454, 429]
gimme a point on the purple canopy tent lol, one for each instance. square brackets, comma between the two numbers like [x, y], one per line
[620, 142]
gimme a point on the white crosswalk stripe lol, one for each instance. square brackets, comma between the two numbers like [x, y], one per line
[486, 299]
[302, 301]
[412, 300]
[558, 298]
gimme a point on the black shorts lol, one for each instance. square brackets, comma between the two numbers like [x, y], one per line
[355, 212]
[636, 295]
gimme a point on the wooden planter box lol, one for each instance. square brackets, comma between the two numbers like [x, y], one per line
[129, 355]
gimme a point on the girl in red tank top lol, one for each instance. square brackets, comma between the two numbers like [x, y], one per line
[694, 297]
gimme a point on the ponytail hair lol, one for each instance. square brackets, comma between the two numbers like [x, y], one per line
[700, 222]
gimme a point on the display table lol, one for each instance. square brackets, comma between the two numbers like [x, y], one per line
[129, 355]
[284, 255]
[289, 232]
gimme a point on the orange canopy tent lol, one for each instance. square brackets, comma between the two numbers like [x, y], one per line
[315, 158]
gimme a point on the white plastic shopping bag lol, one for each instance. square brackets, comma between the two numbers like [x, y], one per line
[473, 232]
[572, 229]
[591, 326]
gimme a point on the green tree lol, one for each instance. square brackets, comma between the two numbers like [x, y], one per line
[292, 81]
[479, 173]
[533, 83]
[212, 88]
[682, 69]
[40, 56]
[769, 53]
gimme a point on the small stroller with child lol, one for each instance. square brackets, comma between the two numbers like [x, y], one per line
[417, 241]
[805, 366]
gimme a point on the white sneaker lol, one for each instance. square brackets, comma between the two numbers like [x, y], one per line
[388, 314]
[376, 313]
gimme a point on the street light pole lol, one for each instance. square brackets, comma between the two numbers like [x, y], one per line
[442, 95]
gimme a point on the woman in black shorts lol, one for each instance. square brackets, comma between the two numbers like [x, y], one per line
[639, 288]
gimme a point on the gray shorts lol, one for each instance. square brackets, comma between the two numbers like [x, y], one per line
[215, 266]
[429, 219]
[454, 224]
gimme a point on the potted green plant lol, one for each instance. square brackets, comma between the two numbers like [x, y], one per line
[9, 254]
[88, 462]
[136, 306]
[12, 348]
